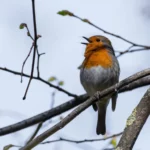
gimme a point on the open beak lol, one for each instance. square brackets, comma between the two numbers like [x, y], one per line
[86, 39]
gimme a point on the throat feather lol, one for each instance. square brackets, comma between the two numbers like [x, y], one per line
[98, 58]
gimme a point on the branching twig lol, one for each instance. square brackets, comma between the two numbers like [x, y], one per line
[106, 32]
[135, 123]
[132, 44]
[63, 107]
[35, 48]
[97, 96]
[82, 141]
[40, 79]
[133, 50]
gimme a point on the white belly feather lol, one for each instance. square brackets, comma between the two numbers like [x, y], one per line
[98, 78]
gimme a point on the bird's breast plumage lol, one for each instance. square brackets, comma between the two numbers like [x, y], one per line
[98, 58]
[99, 71]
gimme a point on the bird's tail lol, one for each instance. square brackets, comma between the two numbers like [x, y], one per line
[101, 126]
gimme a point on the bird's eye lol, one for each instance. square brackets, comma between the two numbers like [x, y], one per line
[98, 40]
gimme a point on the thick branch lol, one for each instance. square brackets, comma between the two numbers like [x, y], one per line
[97, 96]
[135, 123]
[65, 107]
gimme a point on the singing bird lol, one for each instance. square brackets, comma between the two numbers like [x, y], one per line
[100, 70]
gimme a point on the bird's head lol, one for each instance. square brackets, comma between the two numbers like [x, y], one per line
[97, 42]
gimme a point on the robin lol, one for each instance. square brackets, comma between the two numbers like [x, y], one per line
[100, 70]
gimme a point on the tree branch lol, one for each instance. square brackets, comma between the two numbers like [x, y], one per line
[97, 96]
[39, 79]
[26, 60]
[38, 62]
[131, 51]
[65, 107]
[35, 47]
[66, 12]
[132, 44]
[135, 123]
[82, 141]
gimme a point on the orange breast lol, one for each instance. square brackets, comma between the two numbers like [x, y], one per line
[98, 58]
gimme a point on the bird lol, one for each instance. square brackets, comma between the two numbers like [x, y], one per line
[99, 70]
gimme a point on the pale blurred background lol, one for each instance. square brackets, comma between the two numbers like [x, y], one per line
[61, 37]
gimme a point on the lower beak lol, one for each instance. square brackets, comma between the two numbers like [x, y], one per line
[85, 43]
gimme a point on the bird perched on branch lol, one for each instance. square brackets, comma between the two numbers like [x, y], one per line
[100, 70]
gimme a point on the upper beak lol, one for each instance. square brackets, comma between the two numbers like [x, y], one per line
[86, 39]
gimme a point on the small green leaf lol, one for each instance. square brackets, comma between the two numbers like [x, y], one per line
[22, 25]
[52, 79]
[61, 83]
[65, 13]
[113, 142]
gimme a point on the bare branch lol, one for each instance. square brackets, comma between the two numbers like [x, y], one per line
[35, 48]
[135, 123]
[25, 61]
[132, 44]
[133, 50]
[38, 62]
[40, 79]
[106, 32]
[97, 96]
[82, 141]
[28, 33]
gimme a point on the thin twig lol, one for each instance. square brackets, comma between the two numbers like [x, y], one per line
[131, 51]
[38, 62]
[35, 132]
[28, 33]
[82, 141]
[97, 96]
[40, 79]
[25, 61]
[11, 146]
[144, 47]
[35, 48]
[106, 32]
